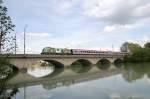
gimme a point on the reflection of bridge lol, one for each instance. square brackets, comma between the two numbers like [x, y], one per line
[65, 77]
[24, 61]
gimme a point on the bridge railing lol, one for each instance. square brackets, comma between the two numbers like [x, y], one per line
[60, 55]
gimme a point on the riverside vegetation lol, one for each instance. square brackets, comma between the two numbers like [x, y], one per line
[138, 53]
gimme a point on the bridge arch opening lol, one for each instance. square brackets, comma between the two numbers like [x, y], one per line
[55, 63]
[81, 66]
[118, 63]
[45, 68]
[103, 64]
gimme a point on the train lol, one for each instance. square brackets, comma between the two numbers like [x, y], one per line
[51, 50]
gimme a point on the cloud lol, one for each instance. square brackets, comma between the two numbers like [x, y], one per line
[63, 7]
[118, 12]
[110, 28]
[140, 41]
[119, 28]
[1, 1]
[38, 34]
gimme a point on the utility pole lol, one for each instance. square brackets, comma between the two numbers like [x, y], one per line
[25, 39]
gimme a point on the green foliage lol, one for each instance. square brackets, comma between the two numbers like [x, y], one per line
[146, 51]
[6, 27]
[6, 69]
[130, 47]
[138, 54]
[147, 45]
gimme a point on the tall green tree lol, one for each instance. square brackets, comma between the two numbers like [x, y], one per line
[6, 27]
[130, 47]
[125, 47]
[147, 45]
[136, 51]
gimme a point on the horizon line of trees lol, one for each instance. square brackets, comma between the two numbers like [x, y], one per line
[138, 53]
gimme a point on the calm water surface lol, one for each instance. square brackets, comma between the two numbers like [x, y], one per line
[122, 81]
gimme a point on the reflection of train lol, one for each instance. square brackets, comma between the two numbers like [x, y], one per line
[50, 50]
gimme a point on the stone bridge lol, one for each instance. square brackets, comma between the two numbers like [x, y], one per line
[24, 61]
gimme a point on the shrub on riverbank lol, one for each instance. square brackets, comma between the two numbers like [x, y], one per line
[6, 69]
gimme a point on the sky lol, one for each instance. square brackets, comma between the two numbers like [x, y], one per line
[83, 24]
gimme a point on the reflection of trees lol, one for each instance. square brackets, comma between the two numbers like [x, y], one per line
[147, 68]
[80, 67]
[51, 85]
[148, 75]
[135, 71]
[8, 94]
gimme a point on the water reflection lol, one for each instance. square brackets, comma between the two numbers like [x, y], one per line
[127, 81]
[41, 69]
[136, 71]
[8, 94]
[56, 72]
[51, 85]
[79, 68]
[119, 65]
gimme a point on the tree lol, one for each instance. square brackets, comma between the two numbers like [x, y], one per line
[147, 45]
[125, 47]
[6, 27]
[135, 50]
[147, 51]
[130, 47]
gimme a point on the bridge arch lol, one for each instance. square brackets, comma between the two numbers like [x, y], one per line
[12, 66]
[57, 64]
[104, 60]
[83, 62]
[103, 64]
[118, 60]
[81, 66]
[118, 63]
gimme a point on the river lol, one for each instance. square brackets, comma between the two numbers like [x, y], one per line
[121, 81]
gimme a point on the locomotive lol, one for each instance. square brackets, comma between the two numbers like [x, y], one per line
[51, 50]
